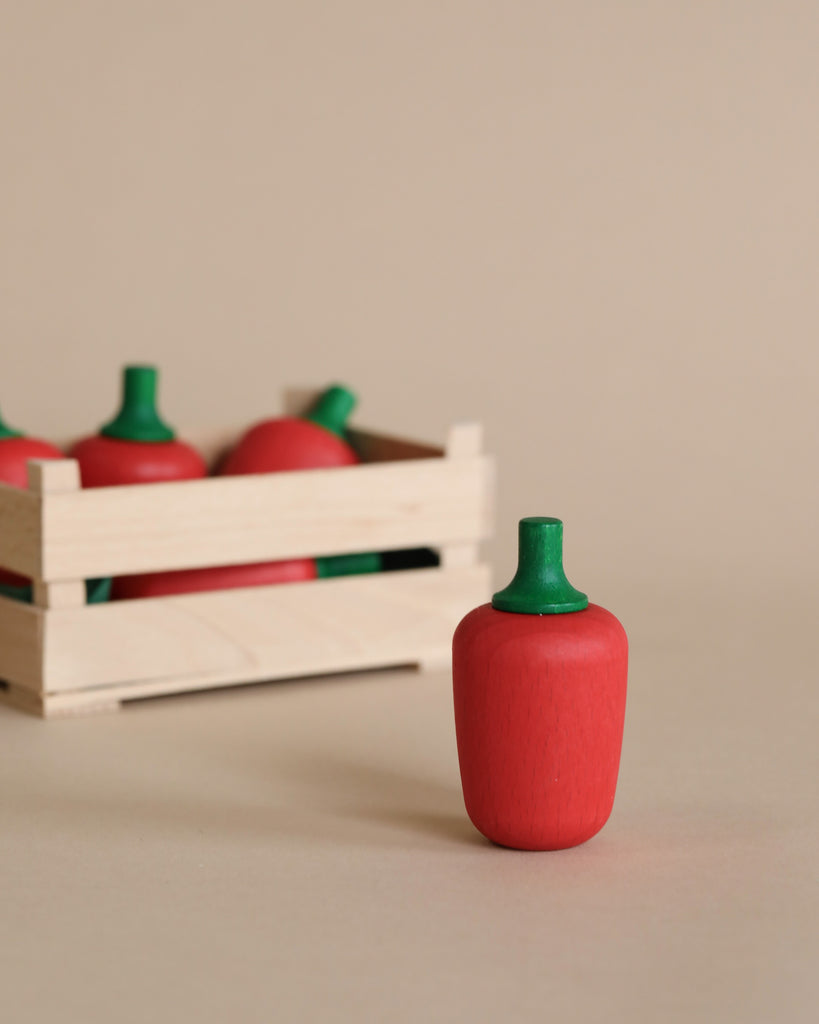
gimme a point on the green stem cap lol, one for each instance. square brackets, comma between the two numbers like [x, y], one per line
[540, 586]
[356, 564]
[6, 431]
[332, 409]
[138, 418]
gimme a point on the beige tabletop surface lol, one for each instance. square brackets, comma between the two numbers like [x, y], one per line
[299, 851]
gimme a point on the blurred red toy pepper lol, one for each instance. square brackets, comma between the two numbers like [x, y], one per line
[228, 577]
[540, 693]
[275, 445]
[137, 446]
[15, 451]
[314, 441]
[223, 577]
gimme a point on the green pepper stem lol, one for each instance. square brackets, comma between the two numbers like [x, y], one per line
[138, 418]
[540, 586]
[332, 409]
[7, 431]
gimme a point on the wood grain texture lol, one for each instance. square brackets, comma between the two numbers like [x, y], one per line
[194, 641]
[456, 555]
[52, 476]
[60, 706]
[230, 520]
[62, 656]
[72, 703]
[22, 699]
[55, 477]
[19, 530]
[59, 594]
[20, 644]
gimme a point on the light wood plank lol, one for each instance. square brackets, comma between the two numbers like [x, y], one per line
[199, 640]
[222, 521]
[19, 530]
[61, 594]
[52, 476]
[61, 705]
[22, 699]
[71, 705]
[60, 476]
[20, 641]
[455, 555]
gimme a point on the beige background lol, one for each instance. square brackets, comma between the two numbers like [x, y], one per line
[592, 226]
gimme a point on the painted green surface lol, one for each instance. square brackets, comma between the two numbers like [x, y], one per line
[356, 564]
[7, 431]
[332, 409]
[540, 586]
[138, 418]
[96, 591]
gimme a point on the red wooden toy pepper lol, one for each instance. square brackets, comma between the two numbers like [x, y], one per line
[273, 445]
[15, 451]
[256, 574]
[285, 443]
[137, 446]
[540, 694]
[221, 577]
[315, 441]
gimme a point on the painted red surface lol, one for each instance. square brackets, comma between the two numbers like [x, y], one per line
[14, 455]
[109, 461]
[539, 711]
[288, 443]
[226, 577]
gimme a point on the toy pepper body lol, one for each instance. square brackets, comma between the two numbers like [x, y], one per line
[15, 451]
[278, 445]
[540, 690]
[229, 577]
[315, 441]
[137, 446]
[224, 577]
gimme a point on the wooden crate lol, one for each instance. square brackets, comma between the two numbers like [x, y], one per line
[60, 655]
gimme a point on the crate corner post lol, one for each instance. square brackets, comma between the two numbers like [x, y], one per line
[48, 477]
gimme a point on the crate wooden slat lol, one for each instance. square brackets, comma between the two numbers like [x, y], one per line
[21, 630]
[20, 536]
[61, 656]
[230, 520]
[102, 654]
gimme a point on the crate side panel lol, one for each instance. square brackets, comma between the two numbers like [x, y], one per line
[20, 643]
[293, 629]
[230, 520]
[19, 530]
